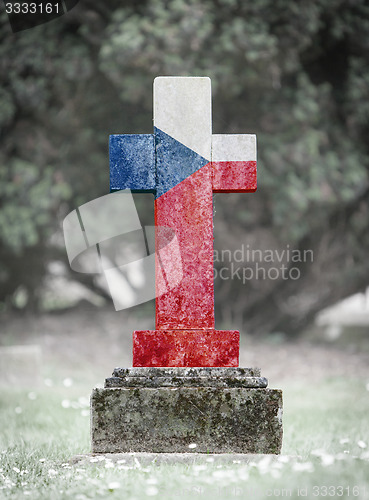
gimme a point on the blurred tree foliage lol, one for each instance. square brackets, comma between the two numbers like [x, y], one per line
[294, 73]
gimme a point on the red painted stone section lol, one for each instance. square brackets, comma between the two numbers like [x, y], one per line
[185, 348]
[234, 176]
[185, 334]
[188, 209]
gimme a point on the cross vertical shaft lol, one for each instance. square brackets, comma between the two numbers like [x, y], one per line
[184, 198]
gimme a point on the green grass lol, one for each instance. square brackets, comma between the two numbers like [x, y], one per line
[325, 430]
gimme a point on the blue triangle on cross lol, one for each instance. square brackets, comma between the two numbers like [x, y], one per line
[174, 162]
[150, 162]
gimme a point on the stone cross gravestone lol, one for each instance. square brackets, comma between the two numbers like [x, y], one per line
[185, 386]
[183, 164]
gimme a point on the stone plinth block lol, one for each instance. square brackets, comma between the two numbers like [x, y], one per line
[186, 348]
[168, 419]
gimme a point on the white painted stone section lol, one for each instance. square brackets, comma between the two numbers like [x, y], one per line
[234, 147]
[182, 109]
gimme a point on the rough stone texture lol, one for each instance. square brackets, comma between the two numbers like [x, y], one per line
[251, 382]
[186, 372]
[132, 162]
[182, 109]
[234, 176]
[188, 209]
[217, 420]
[189, 377]
[185, 348]
[233, 147]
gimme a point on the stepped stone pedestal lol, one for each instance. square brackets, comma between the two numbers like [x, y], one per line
[166, 410]
[185, 392]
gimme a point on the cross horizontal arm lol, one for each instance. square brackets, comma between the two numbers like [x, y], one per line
[234, 163]
[132, 162]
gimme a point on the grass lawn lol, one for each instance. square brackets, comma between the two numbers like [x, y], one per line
[325, 451]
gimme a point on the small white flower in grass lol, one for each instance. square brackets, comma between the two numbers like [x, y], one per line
[24, 483]
[303, 467]
[42, 460]
[243, 474]
[83, 401]
[199, 467]
[236, 461]
[26, 492]
[85, 413]
[361, 444]
[32, 396]
[192, 446]
[275, 473]
[341, 456]
[18, 410]
[67, 382]
[52, 472]
[327, 460]
[15, 469]
[109, 465]
[48, 382]
[152, 480]
[344, 440]
[284, 459]
[152, 491]
[94, 459]
[277, 465]
[318, 453]
[114, 485]
[218, 473]
[65, 403]
[264, 464]
[210, 459]
[121, 461]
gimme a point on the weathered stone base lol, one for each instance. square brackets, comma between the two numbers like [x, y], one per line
[126, 416]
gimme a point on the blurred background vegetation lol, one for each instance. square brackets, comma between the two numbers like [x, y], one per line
[294, 73]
